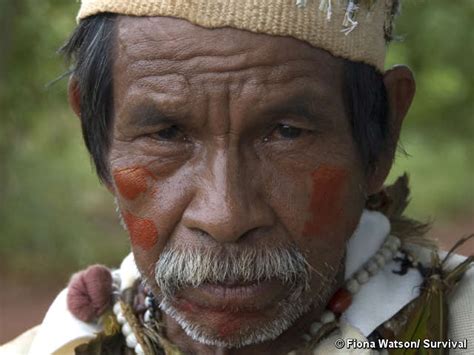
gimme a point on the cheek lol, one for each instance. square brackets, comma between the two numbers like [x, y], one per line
[143, 232]
[327, 200]
[131, 182]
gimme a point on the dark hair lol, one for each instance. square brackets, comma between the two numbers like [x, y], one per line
[367, 107]
[90, 51]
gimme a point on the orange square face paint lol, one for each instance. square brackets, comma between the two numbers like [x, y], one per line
[131, 182]
[326, 200]
[143, 232]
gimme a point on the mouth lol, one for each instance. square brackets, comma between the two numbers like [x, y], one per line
[231, 297]
[228, 308]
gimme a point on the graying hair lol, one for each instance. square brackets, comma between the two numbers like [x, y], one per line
[190, 267]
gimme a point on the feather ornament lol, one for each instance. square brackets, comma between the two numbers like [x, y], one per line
[426, 317]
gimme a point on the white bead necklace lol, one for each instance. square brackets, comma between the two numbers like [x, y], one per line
[388, 250]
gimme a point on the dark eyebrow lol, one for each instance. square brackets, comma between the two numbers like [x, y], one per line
[299, 105]
[148, 115]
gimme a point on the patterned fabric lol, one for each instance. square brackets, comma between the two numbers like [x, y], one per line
[355, 30]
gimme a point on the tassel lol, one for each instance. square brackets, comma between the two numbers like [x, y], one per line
[326, 6]
[90, 293]
[349, 23]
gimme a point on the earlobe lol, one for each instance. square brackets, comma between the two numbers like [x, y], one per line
[74, 95]
[400, 88]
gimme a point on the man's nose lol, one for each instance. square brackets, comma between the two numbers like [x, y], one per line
[228, 204]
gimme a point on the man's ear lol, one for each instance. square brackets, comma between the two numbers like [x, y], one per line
[74, 95]
[400, 87]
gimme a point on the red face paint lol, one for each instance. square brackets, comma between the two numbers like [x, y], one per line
[131, 182]
[143, 232]
[326, 201]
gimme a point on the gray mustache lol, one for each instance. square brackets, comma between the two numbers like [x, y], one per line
[180, 267]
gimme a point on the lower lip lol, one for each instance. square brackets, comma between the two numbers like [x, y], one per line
[221, 298]
[227, 309]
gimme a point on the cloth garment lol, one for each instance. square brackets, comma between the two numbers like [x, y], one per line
[377, 301]
[393, 290]
[355, 30]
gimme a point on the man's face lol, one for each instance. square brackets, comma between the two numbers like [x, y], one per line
[229, 143]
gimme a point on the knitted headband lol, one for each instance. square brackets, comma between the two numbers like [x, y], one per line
[358, 30]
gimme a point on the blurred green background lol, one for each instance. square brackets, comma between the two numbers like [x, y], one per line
[54, 215]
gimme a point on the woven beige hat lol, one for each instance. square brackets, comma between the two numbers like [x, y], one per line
[357, 30]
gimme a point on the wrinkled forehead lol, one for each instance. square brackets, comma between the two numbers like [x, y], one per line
[173, 45]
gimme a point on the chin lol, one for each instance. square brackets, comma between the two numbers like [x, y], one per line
[234, 326]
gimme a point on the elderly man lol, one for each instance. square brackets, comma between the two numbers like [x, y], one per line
[246, 143]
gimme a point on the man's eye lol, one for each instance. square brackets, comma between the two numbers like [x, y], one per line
[287, 131]
[169, 134]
